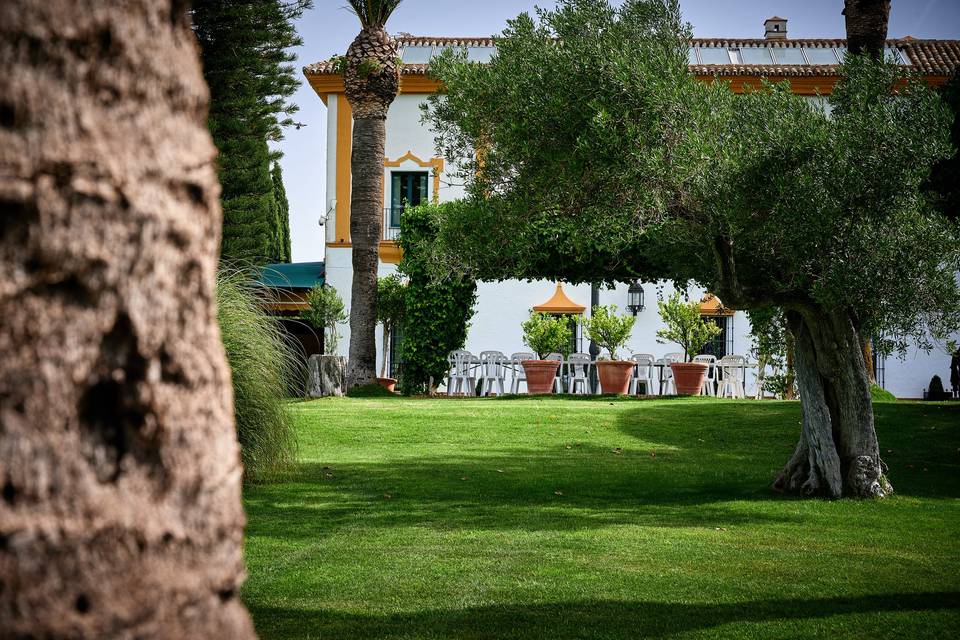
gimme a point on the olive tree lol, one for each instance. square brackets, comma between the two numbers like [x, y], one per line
[589, 151]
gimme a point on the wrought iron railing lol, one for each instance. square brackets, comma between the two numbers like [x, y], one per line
[391, 222]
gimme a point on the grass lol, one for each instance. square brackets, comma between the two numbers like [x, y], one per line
[597, 518]
[262, 365]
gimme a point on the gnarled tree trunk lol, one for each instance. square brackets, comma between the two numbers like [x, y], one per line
[120, 514]
[838, 452]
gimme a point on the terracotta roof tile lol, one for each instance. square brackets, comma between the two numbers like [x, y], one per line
[930, 57]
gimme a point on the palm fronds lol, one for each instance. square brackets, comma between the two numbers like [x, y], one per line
[373, 13]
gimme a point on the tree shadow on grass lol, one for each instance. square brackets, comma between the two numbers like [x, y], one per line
[919, 441]
[564, 487]
[615, 619]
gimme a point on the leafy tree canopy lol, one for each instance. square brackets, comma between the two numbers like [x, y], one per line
[589, 151]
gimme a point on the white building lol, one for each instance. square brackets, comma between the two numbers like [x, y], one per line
[412, 172]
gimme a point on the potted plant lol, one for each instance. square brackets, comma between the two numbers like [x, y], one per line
[544, 334]
[687, 328]
[391, 307]
[611, 332]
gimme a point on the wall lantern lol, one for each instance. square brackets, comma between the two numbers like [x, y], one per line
[635, 297]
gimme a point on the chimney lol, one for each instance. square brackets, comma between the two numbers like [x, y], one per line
[775, 28]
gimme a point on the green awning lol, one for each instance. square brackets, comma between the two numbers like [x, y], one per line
[296, 275]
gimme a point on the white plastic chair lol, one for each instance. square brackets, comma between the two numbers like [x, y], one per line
[579, 365]
[461, 378]
[557, 384]
[669, 386]
[493, 371]
[709, 386]
[642, 373]
[519, 375]
[730, 370]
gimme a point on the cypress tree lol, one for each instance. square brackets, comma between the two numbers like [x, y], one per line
[283, 214]
[247, 64]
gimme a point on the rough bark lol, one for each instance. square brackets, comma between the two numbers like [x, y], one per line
[326, 376]
[837, 453]
[866, 24]
[867, 348]
[366, 220]
[372, 76]
[120, 514]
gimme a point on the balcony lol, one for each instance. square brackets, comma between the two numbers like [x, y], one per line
[391, 223]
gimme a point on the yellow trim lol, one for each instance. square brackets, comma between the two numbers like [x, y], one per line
[344, 148]
[801, 85]
[390, 252]
[333, 83]
[435, 163]
[710, 305]
[559, 303]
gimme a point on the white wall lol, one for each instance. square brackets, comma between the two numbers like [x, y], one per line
[503, 306]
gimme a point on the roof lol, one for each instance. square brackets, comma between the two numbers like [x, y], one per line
[295, 275]
[710, 305]
[559, 303]
[929, 57]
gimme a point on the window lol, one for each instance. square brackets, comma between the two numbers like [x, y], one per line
[417, 55]
[480, 54]
[395, 360]
[895, 55]
[721, 344]
[755, 55]
[692, 56]
[820, 55]
[714, 55]
[407, 189]
[789, 55]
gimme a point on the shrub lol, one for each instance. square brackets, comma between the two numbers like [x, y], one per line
[879, 394]
[607, 329]
[437, 310]
[325, 313]
[935, 391]
[370, 391]
[546, 333]
[391, 309]
[262, 364]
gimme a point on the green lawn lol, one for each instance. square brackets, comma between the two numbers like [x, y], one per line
[598, 518]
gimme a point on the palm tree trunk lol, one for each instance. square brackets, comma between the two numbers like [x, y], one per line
[366, 210]
[120, 514]
[866, 23]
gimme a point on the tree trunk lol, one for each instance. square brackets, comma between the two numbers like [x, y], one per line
[790, 379]
[866, 23]
[867, 348]
[838, 452]
[120, 514]
[386, 344]
[366, 211]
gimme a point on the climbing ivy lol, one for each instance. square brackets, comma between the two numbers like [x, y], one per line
[438, 310]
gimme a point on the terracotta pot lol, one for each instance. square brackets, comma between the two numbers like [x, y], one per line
[614, 375]
[540, 375]
[387, 383]
[688, 377]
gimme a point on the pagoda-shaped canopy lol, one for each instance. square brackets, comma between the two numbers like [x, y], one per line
[559, 303]
[711, 306]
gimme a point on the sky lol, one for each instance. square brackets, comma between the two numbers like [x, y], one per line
[329, 28]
